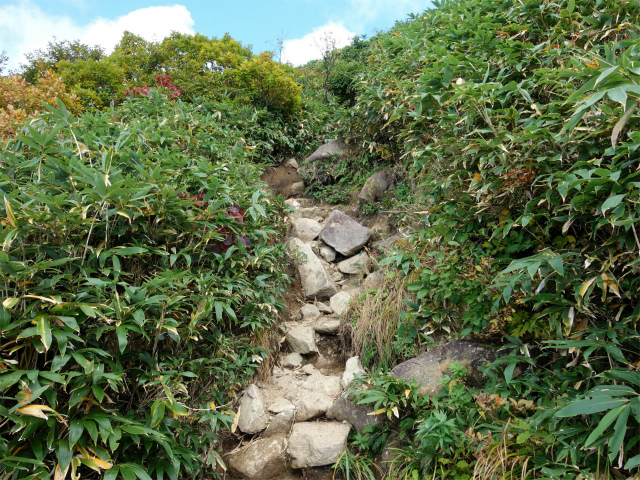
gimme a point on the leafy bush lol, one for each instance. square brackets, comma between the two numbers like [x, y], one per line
[519, 120]
[20, 100]
[125, 335]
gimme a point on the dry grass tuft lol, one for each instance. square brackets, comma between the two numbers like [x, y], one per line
[373, 319]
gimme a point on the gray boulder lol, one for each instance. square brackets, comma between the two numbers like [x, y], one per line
[328, 253]
[346, 410]
[253, 418]
[281, 405]
[327, 325]
[316, 282]
[301, 339]
[340, 302]
[373, 281]
[263, 459]
[429, 368]
[344, 234]
[355, 265]
[283, 180]
[336, 148]
[314, 444]
[280, 424]
[324, 308]
[311, 404]
[310, 312]
[292, 360]
[305, 229]
[376, 185]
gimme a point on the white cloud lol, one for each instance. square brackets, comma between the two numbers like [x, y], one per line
[364, 12]
[301, 50]
[24, 27]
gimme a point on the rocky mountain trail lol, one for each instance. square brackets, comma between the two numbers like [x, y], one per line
[295, 423]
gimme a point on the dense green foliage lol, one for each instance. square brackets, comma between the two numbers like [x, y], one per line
[519, 124]
[139, 273]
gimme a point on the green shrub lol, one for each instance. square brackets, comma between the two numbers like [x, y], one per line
[139, 272]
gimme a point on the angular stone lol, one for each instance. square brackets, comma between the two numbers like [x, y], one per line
[336, 148]
[352, 367]
[358, 264]
[315, 444]
[344, 234]
[281, 405]
[253, 418]
[280, 424]
[310, 313]
[311, 212]
[327, 325]
[305, 229]
[326, 384]
[296, 189]
[429, 368]
[336, 276]
[328, 253]
[343, 409]
[311, 405]
[340, 302]
[309, 369]
[375, 186]
[292, 360]
[291, 162]
[262, 459]
[301, 339]
[316, 282]
[373, 281]
[324, 308]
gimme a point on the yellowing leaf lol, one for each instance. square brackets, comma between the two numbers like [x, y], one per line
[10, 302]
[394, 409]
[234, 427]
[593, 64]
[378, 412]
[36, 411]
[406, 393]
[60, 474]
[10, 216]
[477, 177]
[610, 283]
[585, 286]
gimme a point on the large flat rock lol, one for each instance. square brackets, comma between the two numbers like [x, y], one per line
[429, 368]
[344, 234]
[316, 281]
[344, 409]
[315, 444]
[332, 149]
[301, 339]
[262, 459]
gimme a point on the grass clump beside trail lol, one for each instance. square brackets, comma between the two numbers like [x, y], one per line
[140, 270]
[518, 122]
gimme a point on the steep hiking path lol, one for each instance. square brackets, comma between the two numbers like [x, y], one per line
[295, 424]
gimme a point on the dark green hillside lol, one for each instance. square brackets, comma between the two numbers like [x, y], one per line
[518, 124]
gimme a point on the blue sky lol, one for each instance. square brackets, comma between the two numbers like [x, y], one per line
[26, 25]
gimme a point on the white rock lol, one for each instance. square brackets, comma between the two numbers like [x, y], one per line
[336, 276]
[316, 282]
[311, 405]
[292, 360]
[357, 264]
[310, 313]
[281, 405]
[302, 339]
[327, 325]
[280, 424]
[309, 369]
[315, 444]
[328, 253]
[253, 418]
[353, 367]
[305, 229]
[340, 302]
[326, 384]
[292, 202]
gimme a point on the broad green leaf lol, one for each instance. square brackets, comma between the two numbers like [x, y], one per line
[604, 423]
[43, 329]
[590, 405]
[612, 202]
